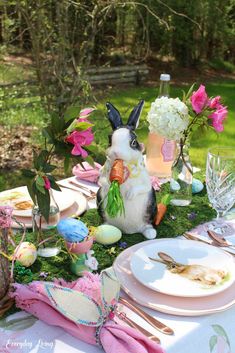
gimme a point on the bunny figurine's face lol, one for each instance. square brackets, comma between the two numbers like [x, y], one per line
[123, 141]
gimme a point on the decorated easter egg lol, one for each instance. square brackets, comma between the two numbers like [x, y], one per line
[197, 186]
[174, 185]
[107, 234]
[78, 266]
[72, 230]
[26, 253]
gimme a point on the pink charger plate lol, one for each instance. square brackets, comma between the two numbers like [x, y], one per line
[181, 306]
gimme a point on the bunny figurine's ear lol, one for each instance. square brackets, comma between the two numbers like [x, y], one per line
[114, 116]
[133, 120]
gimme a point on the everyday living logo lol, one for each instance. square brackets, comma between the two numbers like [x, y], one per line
[27, 344]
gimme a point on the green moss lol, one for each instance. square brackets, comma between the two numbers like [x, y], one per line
[176, 221]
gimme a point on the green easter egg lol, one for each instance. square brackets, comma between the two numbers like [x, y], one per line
[78, 266]
[107, 234]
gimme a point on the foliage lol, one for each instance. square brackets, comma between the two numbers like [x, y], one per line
[58, 136]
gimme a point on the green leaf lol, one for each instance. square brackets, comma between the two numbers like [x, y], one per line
[90, 160]
[48, 168]
[66, 164]
[165, 200]
[71, 127]
[53, 183]
[82, 126]
[221, 332]
[28, 173]
[189, 91]
[44, 203]
[71, 113]
[46, 132]
[212, 342]
[31, 186]
[40, 184]
[57, 123]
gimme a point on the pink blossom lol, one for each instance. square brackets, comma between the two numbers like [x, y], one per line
[47, 184]
[86, 112]
[5, 216]
[218, 117]
[199, 99]
[214, 103]
[78, 139]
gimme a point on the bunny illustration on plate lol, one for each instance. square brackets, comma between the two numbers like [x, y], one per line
[138, 196]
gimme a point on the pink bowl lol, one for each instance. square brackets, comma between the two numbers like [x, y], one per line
[79, 248]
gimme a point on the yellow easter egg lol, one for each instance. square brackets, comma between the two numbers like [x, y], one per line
[107, 234]
[26, 253]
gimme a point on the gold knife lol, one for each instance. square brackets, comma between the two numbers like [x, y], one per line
[122, 316]
[151, 320]
[190, 236]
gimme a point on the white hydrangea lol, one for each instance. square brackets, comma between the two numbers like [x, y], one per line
[168, 117]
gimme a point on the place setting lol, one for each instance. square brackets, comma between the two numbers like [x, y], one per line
[70, 203]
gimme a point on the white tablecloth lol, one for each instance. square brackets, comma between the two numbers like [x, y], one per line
[203, 334]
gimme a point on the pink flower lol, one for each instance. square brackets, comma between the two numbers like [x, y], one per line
[5, 216]
[80, 138]
[214, 103]
[199, 99]
[218, 117]
[47, 184]
[86, 112]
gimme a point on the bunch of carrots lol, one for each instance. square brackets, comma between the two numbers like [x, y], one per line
[115, 203]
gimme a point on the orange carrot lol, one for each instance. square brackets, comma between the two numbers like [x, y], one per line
[161, 209]
[117, 171]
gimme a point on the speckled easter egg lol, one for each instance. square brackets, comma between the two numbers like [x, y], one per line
[174, 185]
[72, 230]
[26, 253]
[197, 186]
[107, 234]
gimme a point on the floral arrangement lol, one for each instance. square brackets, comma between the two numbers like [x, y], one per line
[176, 120]
[68, 137]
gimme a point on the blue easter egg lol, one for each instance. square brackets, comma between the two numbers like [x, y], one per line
[72, 230]
[174, 185]
[197, 186]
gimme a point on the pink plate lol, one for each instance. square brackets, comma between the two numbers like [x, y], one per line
[182, 306]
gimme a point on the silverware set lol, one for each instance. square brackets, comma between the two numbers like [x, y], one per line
[90, 194]
[155, 323]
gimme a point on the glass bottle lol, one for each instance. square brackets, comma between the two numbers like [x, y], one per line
[181, 177]
[160, 151]
[41, 228]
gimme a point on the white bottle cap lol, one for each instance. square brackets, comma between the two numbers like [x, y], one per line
[165, 77]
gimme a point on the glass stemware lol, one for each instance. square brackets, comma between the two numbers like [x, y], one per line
[220, 181]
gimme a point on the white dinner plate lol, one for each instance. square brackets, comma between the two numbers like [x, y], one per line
[17, 196]
[158, 277]
[78, 207]
[181, 306]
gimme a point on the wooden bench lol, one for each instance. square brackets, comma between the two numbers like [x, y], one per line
[134, 74]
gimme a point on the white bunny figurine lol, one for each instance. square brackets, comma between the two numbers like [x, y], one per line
[136, 190]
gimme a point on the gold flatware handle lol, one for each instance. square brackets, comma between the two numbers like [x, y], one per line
[93, 193]
[160, 326]
[190, 236]
[122, 316]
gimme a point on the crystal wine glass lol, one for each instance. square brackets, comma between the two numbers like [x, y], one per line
[220, 181]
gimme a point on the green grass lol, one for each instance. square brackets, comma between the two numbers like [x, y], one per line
[125, 100]
[15, 72]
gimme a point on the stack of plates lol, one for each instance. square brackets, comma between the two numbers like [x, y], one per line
[151, 284]
[70, 203]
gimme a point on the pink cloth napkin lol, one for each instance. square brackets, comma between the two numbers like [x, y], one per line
[113, 337]
[87, 172]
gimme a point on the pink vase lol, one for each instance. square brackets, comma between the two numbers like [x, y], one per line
[80, 248]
